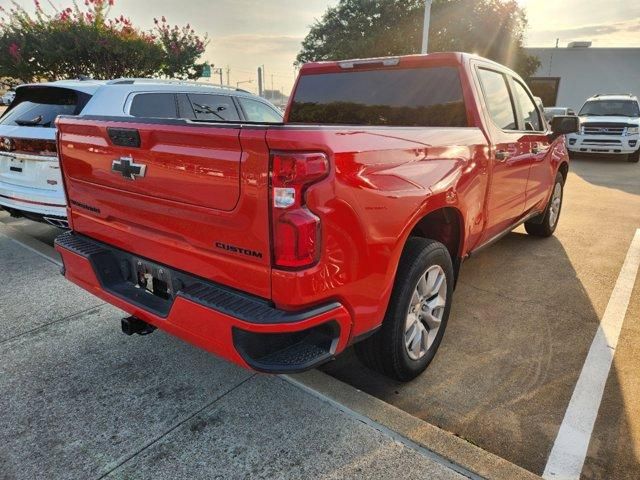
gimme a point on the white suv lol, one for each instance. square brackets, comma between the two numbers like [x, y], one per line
[30, 180]
[608, 124]
[8, 97]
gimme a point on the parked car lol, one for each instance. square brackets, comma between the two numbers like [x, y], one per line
[30, 180]
[276, 247]
[8, 97]
[608, 124]
[550, 112]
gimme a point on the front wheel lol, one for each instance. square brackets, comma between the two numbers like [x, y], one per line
[545, 224]
[634, 157]
[417, 313]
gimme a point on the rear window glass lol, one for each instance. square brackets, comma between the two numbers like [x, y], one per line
[39, 107]
[256, 111]
[154, 105]
[216, 108]
[428, 97]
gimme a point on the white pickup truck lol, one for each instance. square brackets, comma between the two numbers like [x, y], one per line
[608, 124]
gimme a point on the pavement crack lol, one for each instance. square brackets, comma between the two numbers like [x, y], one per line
[172, 428]
[52, 322]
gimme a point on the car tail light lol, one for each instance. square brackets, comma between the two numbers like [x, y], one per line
[296, 230]
[29, 146]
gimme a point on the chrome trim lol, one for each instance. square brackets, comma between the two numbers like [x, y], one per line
[26, 156]
[57, 222]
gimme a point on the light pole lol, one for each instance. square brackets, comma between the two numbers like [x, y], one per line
[425, 28]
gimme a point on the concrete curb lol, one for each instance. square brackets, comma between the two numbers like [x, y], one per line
[454, 451]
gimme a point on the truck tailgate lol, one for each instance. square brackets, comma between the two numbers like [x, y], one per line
[192, 197]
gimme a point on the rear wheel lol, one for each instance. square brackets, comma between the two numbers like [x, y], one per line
[417, 314]
[634, 157]
[545, 224]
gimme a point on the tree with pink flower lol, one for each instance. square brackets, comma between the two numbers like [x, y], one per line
[87, 40]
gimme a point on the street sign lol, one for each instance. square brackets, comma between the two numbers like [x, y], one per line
[206, 71]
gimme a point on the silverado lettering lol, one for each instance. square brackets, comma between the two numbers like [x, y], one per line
[85, 206]
[385, 175]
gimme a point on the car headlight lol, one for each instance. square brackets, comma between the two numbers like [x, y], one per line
[633, 130]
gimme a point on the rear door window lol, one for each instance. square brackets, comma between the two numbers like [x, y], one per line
[39, 107]
[216, 108]
[425, 97]
[256, 111]
[154, 105]
[497, 98]
[185, 109]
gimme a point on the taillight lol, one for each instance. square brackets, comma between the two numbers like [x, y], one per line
[296, 230]
[46, 148]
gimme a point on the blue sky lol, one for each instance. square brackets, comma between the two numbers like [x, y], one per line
[247, 33]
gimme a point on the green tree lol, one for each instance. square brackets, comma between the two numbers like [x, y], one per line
[372, 28]
[87, 41]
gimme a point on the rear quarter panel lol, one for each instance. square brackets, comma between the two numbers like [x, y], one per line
[383, 180]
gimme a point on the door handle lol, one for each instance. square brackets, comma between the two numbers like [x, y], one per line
[502, 155]
[537, 148]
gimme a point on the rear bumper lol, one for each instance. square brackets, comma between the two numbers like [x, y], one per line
[239, 327]
[34, 200]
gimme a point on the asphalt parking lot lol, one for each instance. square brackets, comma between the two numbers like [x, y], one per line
[85, 401]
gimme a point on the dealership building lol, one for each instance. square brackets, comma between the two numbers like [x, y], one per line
[568, 76]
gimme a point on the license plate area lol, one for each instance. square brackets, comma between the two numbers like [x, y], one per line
[153, 279]
[12, 164]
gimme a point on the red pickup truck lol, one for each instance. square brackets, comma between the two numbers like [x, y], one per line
[277, 246]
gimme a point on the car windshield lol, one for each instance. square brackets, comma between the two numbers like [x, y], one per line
[611, 108]
[39, 107]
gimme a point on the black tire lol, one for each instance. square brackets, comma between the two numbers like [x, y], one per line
[385, 350]
[634, 157]
[544, 225]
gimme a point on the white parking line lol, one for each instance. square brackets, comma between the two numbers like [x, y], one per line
[570, 448]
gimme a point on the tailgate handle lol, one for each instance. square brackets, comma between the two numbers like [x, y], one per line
[124, 137]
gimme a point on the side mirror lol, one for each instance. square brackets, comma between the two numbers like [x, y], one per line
[564, 124]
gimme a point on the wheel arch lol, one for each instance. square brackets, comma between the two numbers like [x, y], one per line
[445, 225]
[563, 168]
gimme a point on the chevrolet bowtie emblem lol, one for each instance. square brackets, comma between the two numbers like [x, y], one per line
[127, 168]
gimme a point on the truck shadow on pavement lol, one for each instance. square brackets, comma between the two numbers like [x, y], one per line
[608, 171]
[519, 331]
